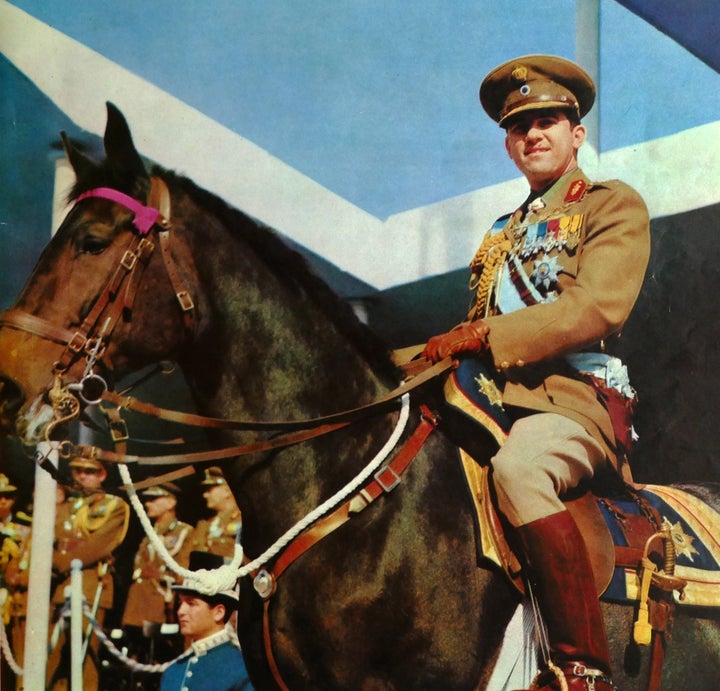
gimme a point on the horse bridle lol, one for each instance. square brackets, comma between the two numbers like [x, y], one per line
[91, 338]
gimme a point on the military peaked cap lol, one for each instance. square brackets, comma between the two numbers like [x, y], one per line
[6, 487]
[213, 476]
[534, 82]
[167, 489]
[88, 463]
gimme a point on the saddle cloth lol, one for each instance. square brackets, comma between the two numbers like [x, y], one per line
[616, 532]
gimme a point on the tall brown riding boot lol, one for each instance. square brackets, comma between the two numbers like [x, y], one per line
[561, 576]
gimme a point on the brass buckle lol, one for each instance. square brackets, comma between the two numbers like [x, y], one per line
[186, 303]
[145, 248]
[119, 430]
[128, 260]
[77, 342]
[387, 478]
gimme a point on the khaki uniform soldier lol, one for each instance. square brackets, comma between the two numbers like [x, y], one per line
[217, 535]
[14, 528]
[553, 283]
[89, 525]
[150, 598]
[14, 548]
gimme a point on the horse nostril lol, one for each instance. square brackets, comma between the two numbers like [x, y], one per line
[11, 399]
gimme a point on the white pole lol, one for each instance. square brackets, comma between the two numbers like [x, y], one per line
[587, 55]
[43, 535]
[76, 622]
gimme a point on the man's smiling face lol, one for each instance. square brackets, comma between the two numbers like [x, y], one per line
[543, 145]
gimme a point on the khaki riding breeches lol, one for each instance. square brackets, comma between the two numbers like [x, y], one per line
[545, 455]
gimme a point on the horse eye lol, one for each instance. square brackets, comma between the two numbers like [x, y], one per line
[93, 245]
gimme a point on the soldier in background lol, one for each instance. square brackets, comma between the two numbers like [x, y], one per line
[14, 528]
[89, 525]
[14, 543]
[218, 534]
[150, 598]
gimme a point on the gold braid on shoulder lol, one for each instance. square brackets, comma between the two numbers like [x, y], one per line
[88, 520]
[484, 268]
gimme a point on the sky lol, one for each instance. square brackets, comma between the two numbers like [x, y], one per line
[377, 100]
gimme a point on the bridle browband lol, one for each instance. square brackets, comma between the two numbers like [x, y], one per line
[144, 218]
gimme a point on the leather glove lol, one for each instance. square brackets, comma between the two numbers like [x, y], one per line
[465, 338]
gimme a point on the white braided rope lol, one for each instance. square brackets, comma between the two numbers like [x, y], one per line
[6, 652]
[225, 577]
[131, 664]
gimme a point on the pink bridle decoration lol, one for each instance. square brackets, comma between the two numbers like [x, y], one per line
[145, 216]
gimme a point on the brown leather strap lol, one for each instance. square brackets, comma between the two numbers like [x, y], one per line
[657, 658]
[385, 480]
[187, 306]
[37, 326]
[317, 426]
[267, 642]
[87, 451]
[94, 325]
[159, 198]
[165, 477]
[132, 404]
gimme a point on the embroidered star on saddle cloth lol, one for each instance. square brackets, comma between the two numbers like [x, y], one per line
[694, 527]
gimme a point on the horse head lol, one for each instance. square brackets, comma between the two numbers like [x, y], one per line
[99, 302]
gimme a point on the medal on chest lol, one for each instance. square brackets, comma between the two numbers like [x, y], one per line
[554, 234]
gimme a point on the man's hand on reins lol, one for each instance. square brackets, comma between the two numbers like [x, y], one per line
[465, 338]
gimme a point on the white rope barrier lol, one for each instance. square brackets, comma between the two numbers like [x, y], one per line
[4, 643]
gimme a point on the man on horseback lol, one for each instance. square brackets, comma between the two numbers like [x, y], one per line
[554, 283]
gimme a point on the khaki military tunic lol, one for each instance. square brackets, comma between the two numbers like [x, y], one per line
[89, 528]
[558, 281]
[15, 541]
[217, 534]
[150, 593]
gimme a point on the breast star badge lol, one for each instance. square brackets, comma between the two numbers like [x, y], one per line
[545, 273]
[489, 389]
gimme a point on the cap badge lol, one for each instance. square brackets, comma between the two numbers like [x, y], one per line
[520, 73]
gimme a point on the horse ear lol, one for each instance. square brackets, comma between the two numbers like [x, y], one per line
[119, 145]
[80, 163]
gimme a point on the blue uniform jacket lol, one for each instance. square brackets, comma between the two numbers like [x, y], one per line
[212, 664]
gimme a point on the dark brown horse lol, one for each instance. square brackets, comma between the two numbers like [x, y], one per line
[396, 597]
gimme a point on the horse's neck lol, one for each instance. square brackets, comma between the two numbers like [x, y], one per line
[268, 351]
[265, 350]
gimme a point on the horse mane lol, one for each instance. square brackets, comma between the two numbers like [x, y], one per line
[292, 269]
